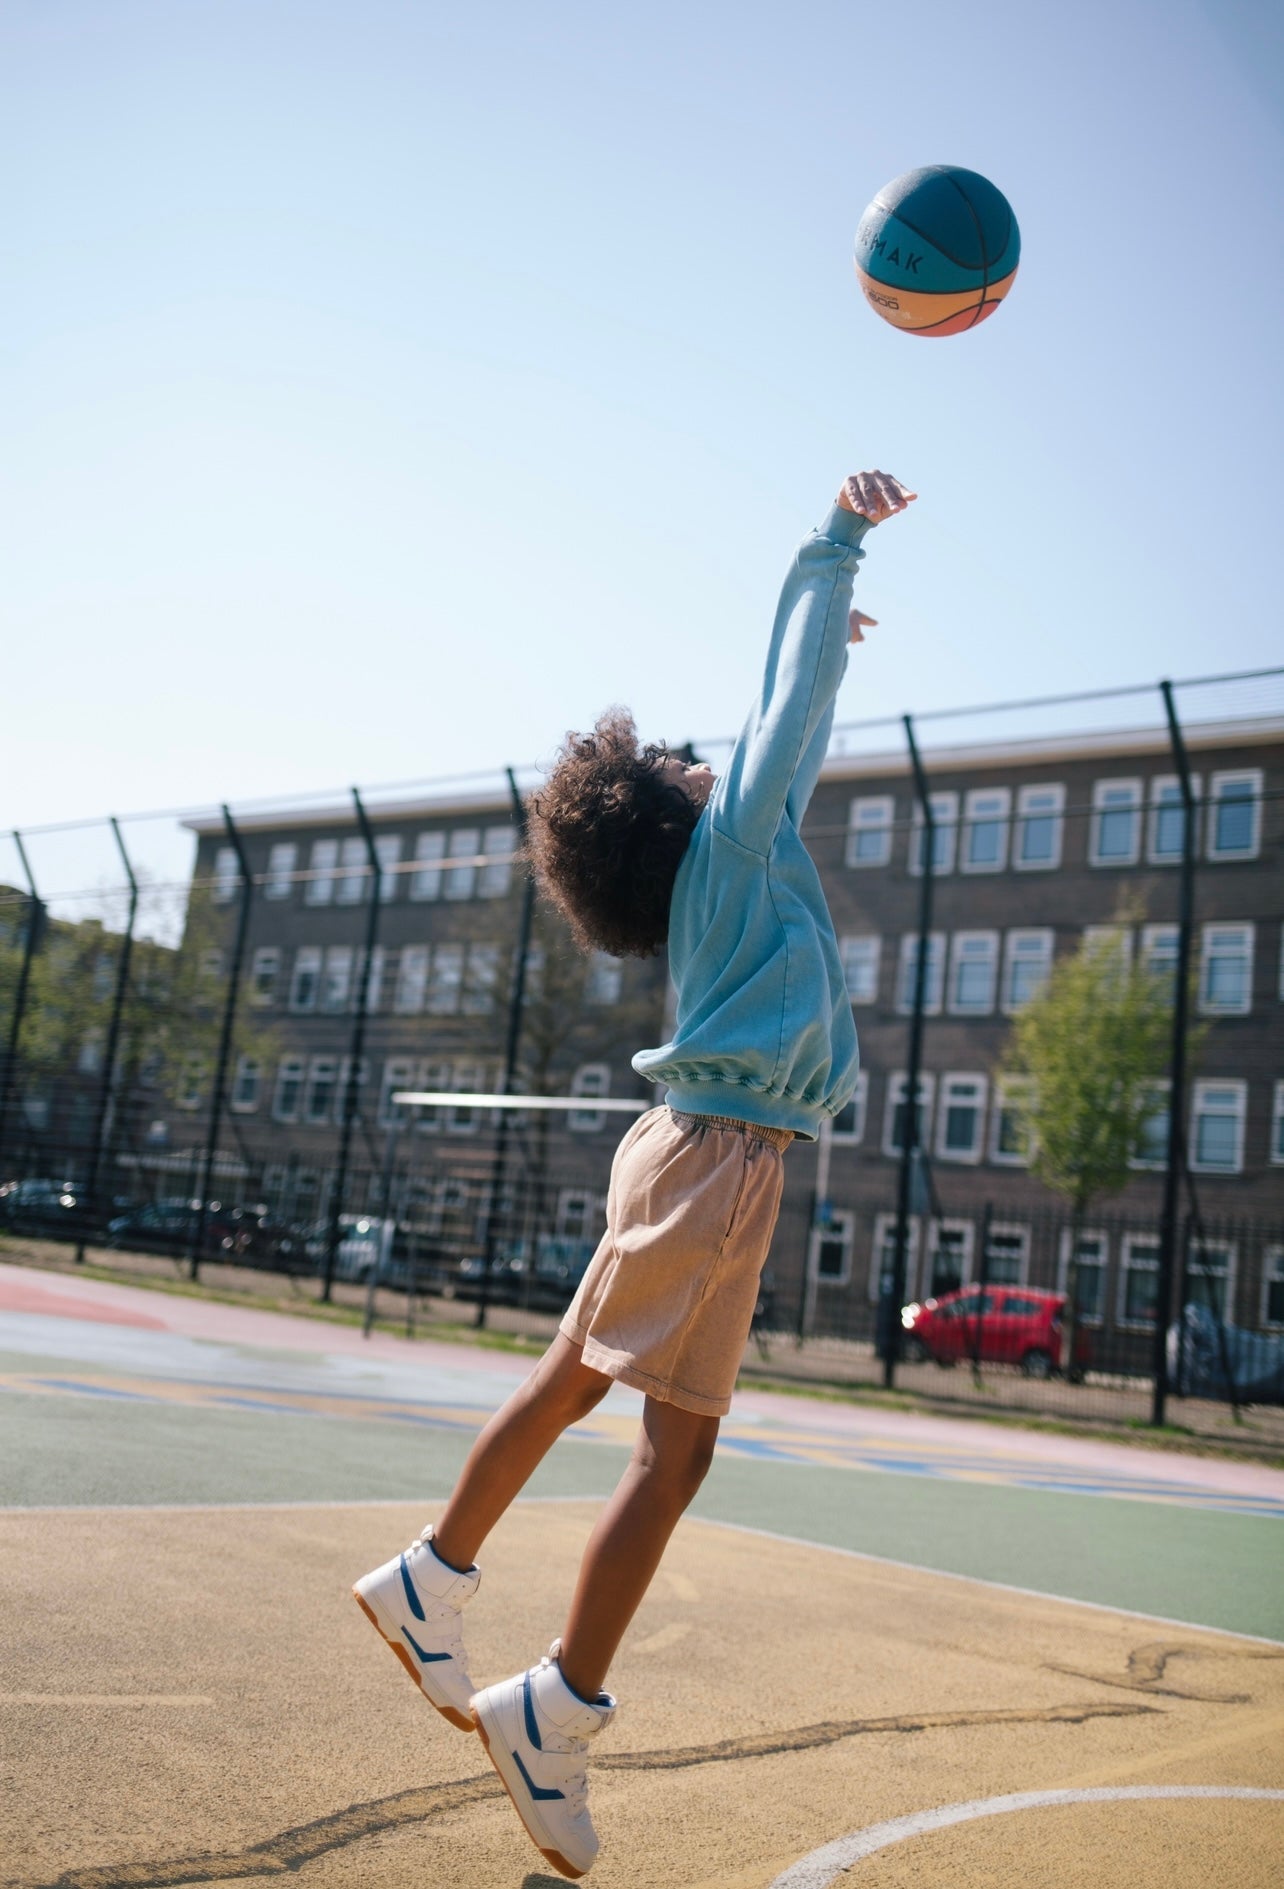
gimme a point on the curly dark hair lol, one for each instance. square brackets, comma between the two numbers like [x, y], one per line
[606, 836]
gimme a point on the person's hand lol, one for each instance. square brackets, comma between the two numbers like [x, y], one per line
[857, 624]
[874, 495]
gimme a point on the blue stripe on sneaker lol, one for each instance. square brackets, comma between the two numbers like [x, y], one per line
[539, 1795]
[416, 1605]
[532, 1729]
[427, 1658]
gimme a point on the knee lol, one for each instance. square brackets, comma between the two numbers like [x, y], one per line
[682, 1464]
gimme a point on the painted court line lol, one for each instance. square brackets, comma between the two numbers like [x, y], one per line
[826, 1864]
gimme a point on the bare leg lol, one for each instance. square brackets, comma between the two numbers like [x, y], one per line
[559, 1391]
[672, 1454]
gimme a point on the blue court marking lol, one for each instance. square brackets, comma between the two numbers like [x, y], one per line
[95, 1390]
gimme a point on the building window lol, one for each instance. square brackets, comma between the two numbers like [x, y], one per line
[323, 1084]
[860, 956]
[388, 853]
[1226, 971]
[319, 886]
[949, 1257]
[306, 979]
[1090, 1287]
[1006, 1255]
[1111, 945]
[986, 811]
[1210, 1272]
[434, 1078]
[90, 1059]
[579, 1214]
[191, 1082]
[461, 880]
[1277, 1126]
[848, 1126]
[498, 845]
[412, 980]
[882, 1258]
[289, 1089]
[934, 973]
[1273, 1286]
[227, 875]
[1009, 1136]
[945, 827]
[589, 1079]
[1217, 1127]
[1235, 815]
[1152, 1151]
[374, 984]
[398, 1075]
[446, 983]
[341, 1088]
[1027, 965]
[336, 981]
[354, 869]
[481, 979]
[425, 880]
[894, 1113]
[869, 830]
[831, 1250]
[604, 980]
[974, 972]
[960, 1118]
[1159, 954]
[245, 1085]
[1116, 823]
[1138, 1280]
[1040, 811]
[1166, 833]
[265, 971]
[282, 859]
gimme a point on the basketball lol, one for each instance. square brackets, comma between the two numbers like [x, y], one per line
[937, 250]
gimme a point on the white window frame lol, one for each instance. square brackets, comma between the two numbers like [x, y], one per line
[411, 987]
[354, 871]
[1009, 1230]
[1214, 941]
[1272, 1274]
[974, 800]
[1162, 1092]
[1101, 940]
[307, 961]
[861, 950]
[266, 963]
[591, 1213]
[1161, 785]
[870, 813]
[430, 851]
[1100, 1235]
[951, 1082]
[1275, 1152]
[963, 949]
[945, 822]
[966, 1250]
[934, 981]
[499, 843]
[227, 875]
[1101, 790]
[398, 1074]
[435, 1077]
[318, 887]
[859, 1105]
[1194, 1276]
[247, 1067]
[883, 1234]
[289, 1069]
[1156, 958]
[481, 978]
[1027, 812]
[445, 991]
[318, 1066]
[1210, 1085]
[1230, 777]
[1004, 1090]
[897, 1083]
[336, 980]
[840, 1227]
[590, 1079]
[1013, 951]
[388, 853]
[461, 880]
[278, 881]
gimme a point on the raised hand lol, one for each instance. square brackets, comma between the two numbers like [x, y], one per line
[874, 495]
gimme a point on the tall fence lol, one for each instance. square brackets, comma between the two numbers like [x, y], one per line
[205, 1015]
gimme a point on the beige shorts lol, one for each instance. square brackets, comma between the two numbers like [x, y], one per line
[668, 1298]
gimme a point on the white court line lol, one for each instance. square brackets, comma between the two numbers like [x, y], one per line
[825, 1865]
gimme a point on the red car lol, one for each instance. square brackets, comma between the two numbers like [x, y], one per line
[1002, 1325]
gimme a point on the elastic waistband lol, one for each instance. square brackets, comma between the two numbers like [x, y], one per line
[776, 1137]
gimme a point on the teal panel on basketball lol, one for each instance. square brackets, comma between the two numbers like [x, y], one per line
[939, 230]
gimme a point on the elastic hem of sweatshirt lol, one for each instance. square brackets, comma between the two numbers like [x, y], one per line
[844, 527]
[803, 1119]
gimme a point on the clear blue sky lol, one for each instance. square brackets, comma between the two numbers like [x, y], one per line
[389, 386]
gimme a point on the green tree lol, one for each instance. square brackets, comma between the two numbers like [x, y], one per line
[1086, 1059]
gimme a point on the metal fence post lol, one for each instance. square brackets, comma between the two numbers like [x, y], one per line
[1175, 1161]
[35, 919]
[224, 1042]
[113, 1037]
[353, 1084]
[516, 1006]
[890, 1319]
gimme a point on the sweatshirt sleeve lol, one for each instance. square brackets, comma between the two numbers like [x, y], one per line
[777, 759]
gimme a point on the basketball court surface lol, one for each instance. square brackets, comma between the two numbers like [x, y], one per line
[883, 1649]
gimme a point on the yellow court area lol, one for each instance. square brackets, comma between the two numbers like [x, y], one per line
[193, 1697]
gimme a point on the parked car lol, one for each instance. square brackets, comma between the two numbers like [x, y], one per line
[53, 1208]
[1000, 1325]
[1203, 1353]
[166, 1226]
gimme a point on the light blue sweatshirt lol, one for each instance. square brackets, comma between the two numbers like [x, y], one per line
[764, 1024]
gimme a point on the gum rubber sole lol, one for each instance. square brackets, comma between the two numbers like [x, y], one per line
[554, 1857]
[449, 1712]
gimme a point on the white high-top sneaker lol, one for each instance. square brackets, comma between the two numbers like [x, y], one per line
[536, 1732]
[415, 1602]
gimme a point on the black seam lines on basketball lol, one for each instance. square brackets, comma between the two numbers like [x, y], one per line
[292, 1849]
[940, 248]
[985, 254]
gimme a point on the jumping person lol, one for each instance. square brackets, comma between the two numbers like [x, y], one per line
[638, 848]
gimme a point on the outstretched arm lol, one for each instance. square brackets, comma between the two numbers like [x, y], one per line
[778, 757]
